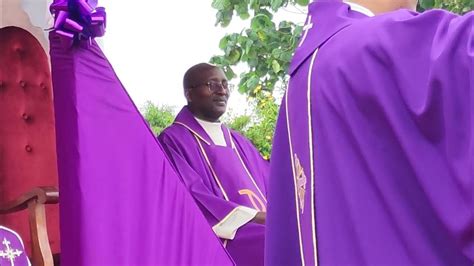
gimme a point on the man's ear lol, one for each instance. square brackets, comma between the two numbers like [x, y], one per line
[187, 94]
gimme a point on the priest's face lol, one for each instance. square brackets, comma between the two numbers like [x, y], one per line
[207, 99]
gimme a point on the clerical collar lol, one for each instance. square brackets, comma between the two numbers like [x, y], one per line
[214, 131]
[360, 9]
[212, 124]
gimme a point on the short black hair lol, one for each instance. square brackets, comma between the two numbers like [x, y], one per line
[192, 74]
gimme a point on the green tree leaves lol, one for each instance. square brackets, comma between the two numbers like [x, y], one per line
[266, 49]
[221, 4]
[427, 3]
[276, 67]
[276, 4]
[259, 127]
[158, 117]
[457, 6]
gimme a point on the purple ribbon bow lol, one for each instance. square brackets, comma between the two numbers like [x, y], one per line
[77, 20]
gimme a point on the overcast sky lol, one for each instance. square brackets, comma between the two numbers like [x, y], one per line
[151, 45]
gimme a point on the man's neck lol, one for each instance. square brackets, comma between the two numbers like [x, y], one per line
[206, 119]
[201, 116]
[379, 6]
[208, 122]
[360, 9]
[214, 131]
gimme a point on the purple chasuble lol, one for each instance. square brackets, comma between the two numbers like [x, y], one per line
[221, 178]
[121, 201]
[12, 249]
[372, 161]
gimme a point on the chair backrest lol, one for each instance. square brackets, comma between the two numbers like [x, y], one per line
[12, 249]
[27, 134]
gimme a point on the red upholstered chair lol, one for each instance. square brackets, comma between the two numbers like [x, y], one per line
[35, 202]
[27, 138]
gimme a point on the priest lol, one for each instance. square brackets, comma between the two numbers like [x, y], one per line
[223, 171]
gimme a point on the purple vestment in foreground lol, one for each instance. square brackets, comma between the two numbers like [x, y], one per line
[12, 249]
[217, 178]
[121, 201]
[372, 161]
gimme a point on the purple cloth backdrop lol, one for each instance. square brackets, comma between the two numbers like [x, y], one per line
[121, 201]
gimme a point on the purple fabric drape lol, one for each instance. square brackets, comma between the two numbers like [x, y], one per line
[121, 201]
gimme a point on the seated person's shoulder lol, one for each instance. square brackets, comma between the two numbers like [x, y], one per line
[170, 135]
[176, 137]
[173, 130]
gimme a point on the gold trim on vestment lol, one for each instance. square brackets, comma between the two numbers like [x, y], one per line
[245, 167]
[214, 174]
[218, 183]
[194, 132]
[311, 159]
[294, 180]
[252, 196]
[212, 169]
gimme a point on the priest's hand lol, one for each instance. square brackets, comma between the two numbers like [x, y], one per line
[260, 218]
